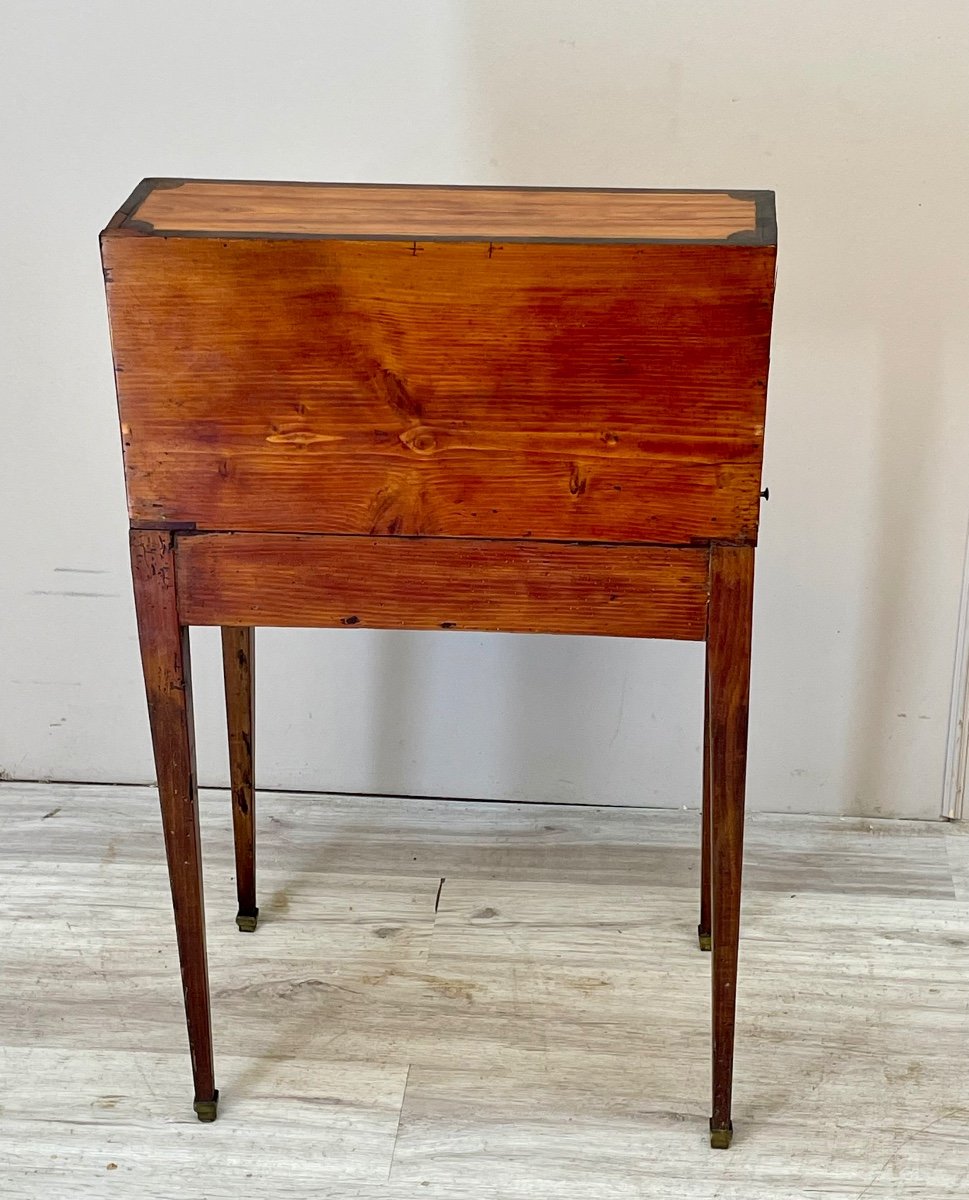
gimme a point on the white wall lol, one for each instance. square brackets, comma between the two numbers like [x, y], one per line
[855, 113]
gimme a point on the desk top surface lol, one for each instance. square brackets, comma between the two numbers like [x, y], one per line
[226, 208]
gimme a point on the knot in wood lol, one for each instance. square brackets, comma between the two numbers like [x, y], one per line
[420, 439]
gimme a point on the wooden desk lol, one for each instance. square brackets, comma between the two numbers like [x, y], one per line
[529, 410]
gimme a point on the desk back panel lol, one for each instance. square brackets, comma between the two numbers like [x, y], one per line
[558, 390]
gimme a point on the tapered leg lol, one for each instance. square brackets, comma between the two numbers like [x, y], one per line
[165, 661]
[703, 929]
[238, 665]
[728, 683]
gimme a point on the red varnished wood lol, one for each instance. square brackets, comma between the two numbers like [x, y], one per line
[704, 927]
[238, 667]
[168, 683]
[606, 393]
[728, 679]
[489, 409]
[404, 583]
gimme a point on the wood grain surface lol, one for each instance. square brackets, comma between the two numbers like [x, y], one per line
[481, 409]
[420, 211]
[168, 682]
[415, 583]
[602, 393]
[239, 671]
[727, 705]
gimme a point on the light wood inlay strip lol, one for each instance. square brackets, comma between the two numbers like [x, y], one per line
[415, 211]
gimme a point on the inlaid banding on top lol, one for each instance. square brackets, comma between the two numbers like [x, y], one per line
[412, 211]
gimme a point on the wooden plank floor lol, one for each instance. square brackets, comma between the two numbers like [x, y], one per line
[534, 1026]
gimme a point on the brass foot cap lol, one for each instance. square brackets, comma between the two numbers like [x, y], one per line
[704, 938]
[207, 1110]
[247, 921]
[720, 1138]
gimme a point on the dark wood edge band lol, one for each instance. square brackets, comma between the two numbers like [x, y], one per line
[764, 234]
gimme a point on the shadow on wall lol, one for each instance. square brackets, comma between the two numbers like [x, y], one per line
[856, 133]
[535, 718]
[892, 702]
[852, 116]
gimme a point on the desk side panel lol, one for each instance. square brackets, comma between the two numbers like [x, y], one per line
[555, 391]
[440, 583]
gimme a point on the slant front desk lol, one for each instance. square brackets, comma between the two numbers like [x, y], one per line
[521, 409]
